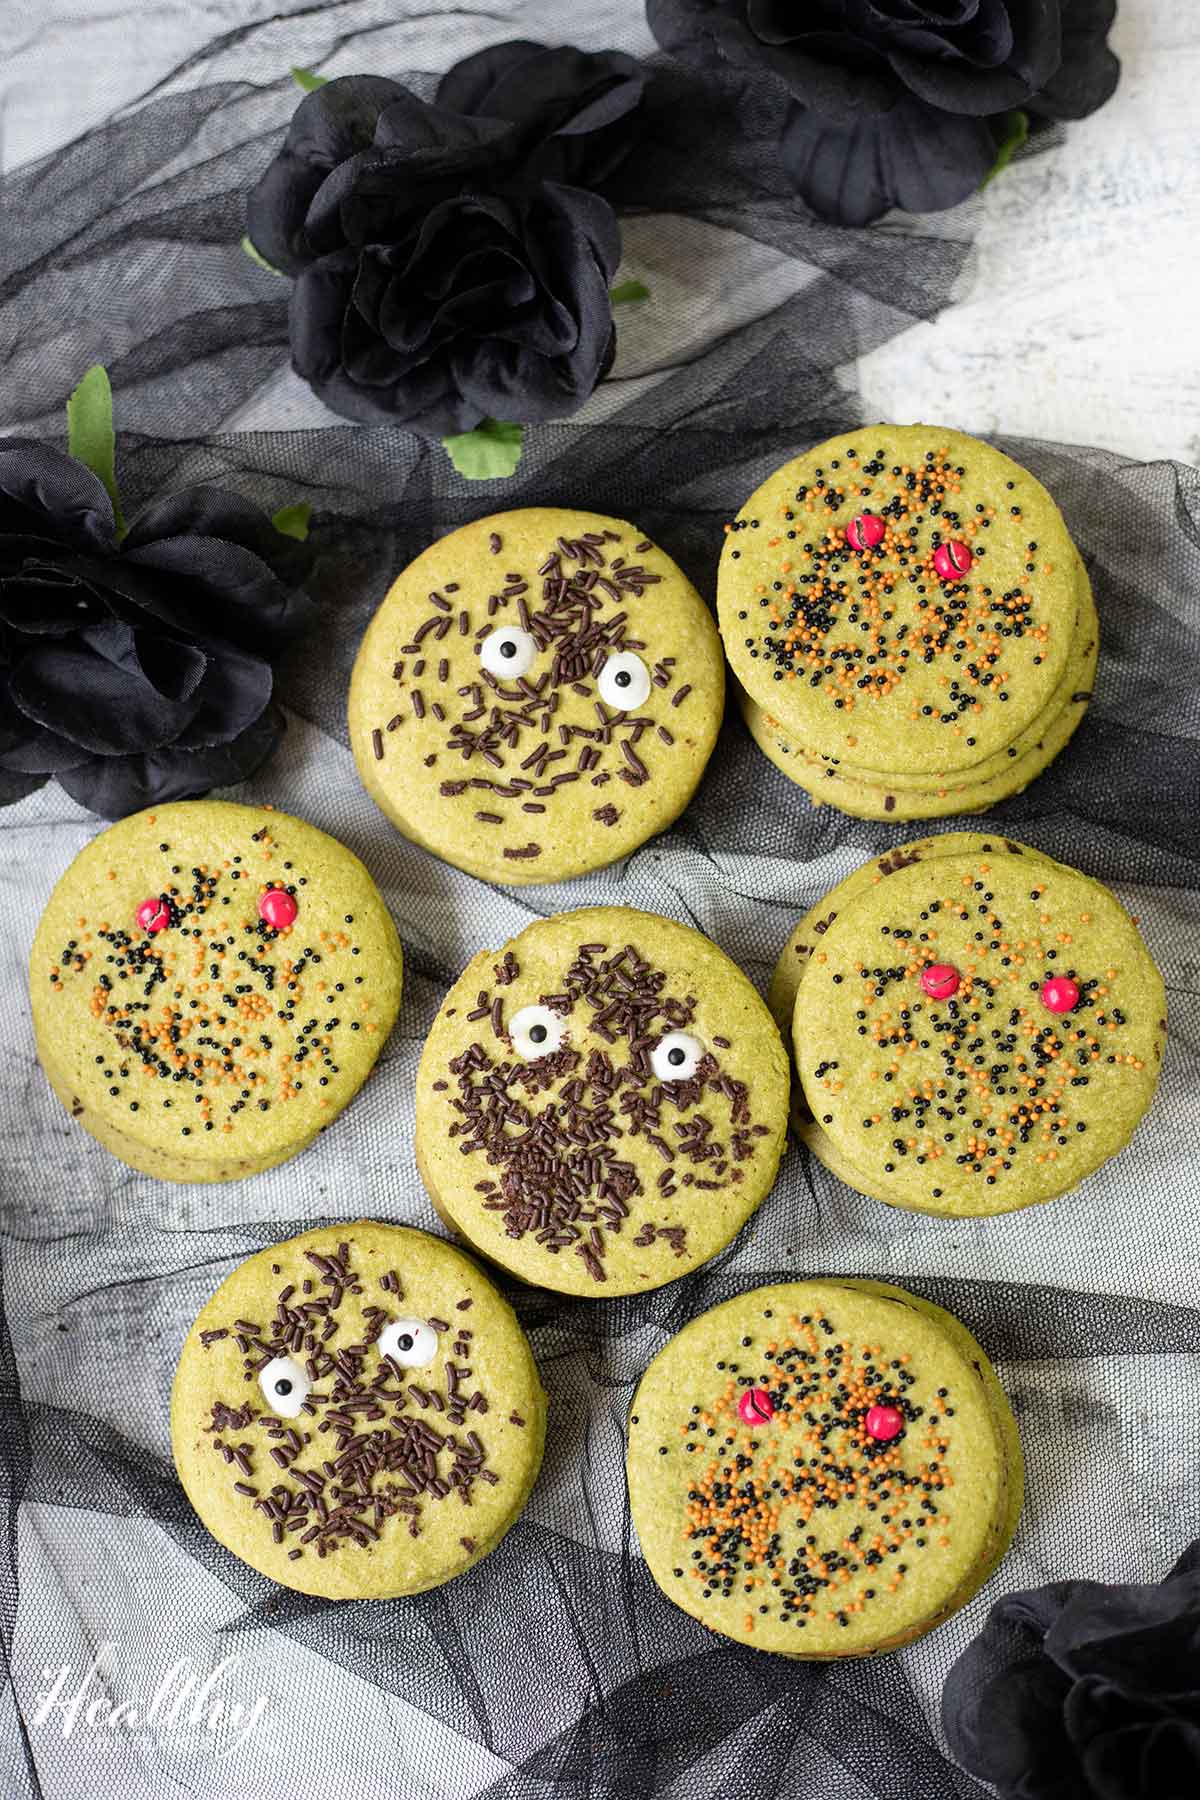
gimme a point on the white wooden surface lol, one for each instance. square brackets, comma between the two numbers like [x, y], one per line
[1078, 316]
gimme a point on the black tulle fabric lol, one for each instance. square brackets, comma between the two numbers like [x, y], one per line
[555, 1670]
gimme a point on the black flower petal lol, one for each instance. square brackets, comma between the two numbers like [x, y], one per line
[1089, 71]
[575, 111]
[1082, 1691]
[451, 261]
[497, 306]
[912, 156]
[123, 665]
[335, 121]
[39, 484]
[894, 97]
[114, 786]
[97, 697]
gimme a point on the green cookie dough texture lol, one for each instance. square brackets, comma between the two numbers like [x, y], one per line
[581, 1168]
[896, 799]
[986, 1101]
[548, 772]
[793, 958]
[882, 665]
[799, 1532]
[219, 1046]
[413, 1424]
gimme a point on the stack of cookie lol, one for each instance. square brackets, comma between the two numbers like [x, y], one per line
[823, 1468]
[975, 1026]
[909, 621]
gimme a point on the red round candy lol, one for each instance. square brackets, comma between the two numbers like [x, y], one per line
[940, 980]
[278, 908]
[1060, 994]
[756, 1406]
[865, 531]
[952, 559]
[153, 914]
[884, 1423]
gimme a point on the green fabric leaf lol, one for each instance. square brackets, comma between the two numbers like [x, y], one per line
[90, 436]
[489, 452]
[292, 521]
[305, 78]
[628, 290]
[1016, 132]
[255, 257]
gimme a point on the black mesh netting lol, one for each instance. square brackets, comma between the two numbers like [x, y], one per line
[554, 1668]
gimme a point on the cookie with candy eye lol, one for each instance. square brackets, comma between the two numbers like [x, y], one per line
[849, 1539]
[978, 1031]
[211, 984]
[909, 622]
[357, 1414]
[601, 1103]
[537, 695]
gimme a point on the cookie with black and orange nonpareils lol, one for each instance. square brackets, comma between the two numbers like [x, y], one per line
[974, 1030]
[910, 624]
[601, 1103]
[211, 984]
[357, 1414]
[537, 695]
[823, 1468]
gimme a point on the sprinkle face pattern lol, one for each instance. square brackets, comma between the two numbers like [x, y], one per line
[767, 1500]
[217, 1007]
[895, 609]
[378, 1435]
[994, 1075]
[546, 1124]
[527, 696]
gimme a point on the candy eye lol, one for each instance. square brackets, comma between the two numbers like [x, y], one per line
[410, 1342]
[285, 1386]
[509, 651]
[676, 1056]
[536, 1031]
[624, 681]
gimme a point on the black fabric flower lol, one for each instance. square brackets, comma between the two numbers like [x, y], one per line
[451, 263]
[901, 102]
[1080, 1691]
[135, 672]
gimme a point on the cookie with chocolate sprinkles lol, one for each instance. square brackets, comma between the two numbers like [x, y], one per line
[909, 622]
[357, 1413]
[976, 1032]
[823, 1468]
[601, 1103]
[211, 984]
[537, 695]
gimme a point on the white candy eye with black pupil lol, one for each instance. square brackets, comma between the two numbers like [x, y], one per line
[676, 1056]
[624, 681]
[285, 1386]
[410, 1342]
[508, 651]
[536, 1031]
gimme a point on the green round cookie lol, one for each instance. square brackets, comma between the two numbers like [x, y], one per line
[1078, 672]
[823, 1468]
[602, 1103]
[537, 695]
[208, 1042]
[870, 798]
[880, 660]
[357, 1413]
[987, 1094]
[785, 978]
